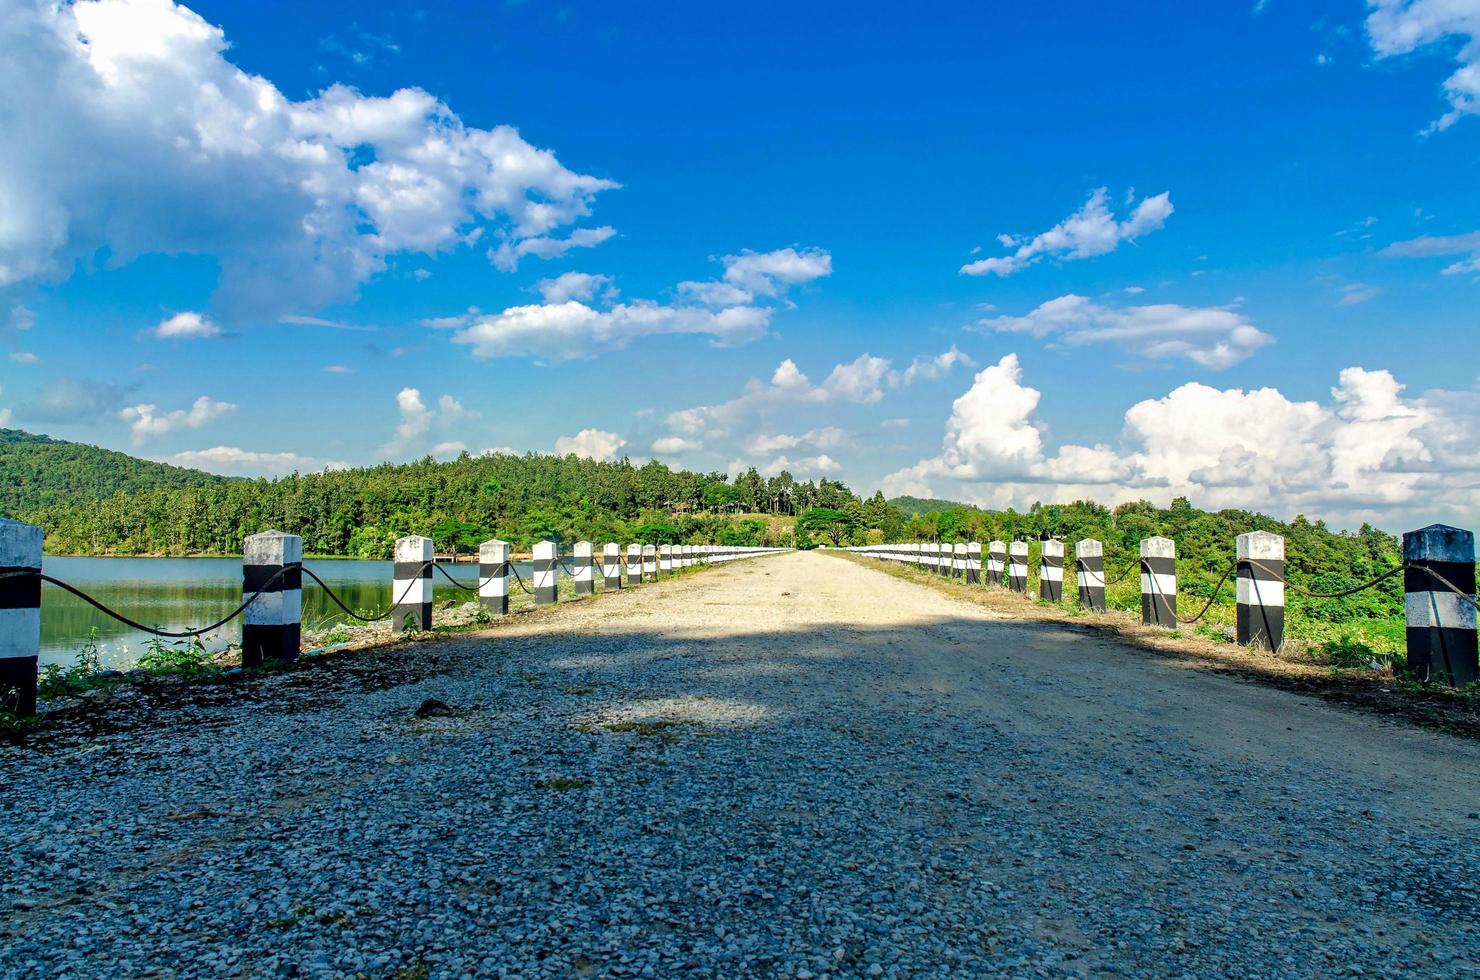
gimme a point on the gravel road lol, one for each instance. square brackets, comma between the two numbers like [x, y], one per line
[788, 767]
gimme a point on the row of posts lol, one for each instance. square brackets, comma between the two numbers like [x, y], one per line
[1440, 621]
[272, 566]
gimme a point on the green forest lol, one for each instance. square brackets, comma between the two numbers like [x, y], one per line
[96, 502]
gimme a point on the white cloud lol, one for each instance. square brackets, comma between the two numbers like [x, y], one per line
[186, 326]
[590, 443]
[450, 448]
[147, 422]
[766, 442]
[771, 273]
[337, 369]
[1090, 231]
[827, 437]
[1214, 337]
[1397, 27]
[580, 286]
[568, 325]
[298, 201]
[1429, 246]
[24, 357]
[894, 424]
[1355, 293]
[506, 256]
[819, 465]
[231, 461]
[1368, 454]
[925, 368]
[675, 445]
[421, 423]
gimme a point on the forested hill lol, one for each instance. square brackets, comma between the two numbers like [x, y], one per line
[133, 507]
[38, 472]
[910, 506]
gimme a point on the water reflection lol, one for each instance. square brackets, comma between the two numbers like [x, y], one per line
[180, 593]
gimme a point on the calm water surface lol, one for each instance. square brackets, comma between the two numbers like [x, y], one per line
[182, 593]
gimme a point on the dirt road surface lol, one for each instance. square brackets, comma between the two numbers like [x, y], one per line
[788, 767]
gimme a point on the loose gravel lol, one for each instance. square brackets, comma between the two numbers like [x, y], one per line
[788, 767]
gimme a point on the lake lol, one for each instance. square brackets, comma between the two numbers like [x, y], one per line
[182, 593]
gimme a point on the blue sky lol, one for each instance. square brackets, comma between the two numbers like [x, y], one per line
[1101, 251]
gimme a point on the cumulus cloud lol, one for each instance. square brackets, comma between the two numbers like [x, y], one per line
[299, 202]
[421, 423]
[574, 321]
[1090, 231]
[1368, 454]
[1397, 27]
[507, 255]
[590, 443]
[186, 326]
[819, 465]
[146, 422]
[675, 445]
[231, 461]
[926, 368]
[1430, 246]
[1214, 337]
[580, 286]
[753, 424]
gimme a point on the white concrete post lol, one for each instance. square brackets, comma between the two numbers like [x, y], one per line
[634, 564]
[973, 562]
[996, 562]
[20, 616]
[583, 577]
[411, 584]
[665, 558]
[1051, 571]
[545, 572]
[493, 576]
[1261, 588]
[649, 563]
[272, 626]
[1089, 573]
[611, 565]
[1159, 582]
[958, 568]
[1017, 566]
[1441, 622]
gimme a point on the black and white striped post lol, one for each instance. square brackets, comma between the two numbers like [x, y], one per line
[665, 558]
[685, 555]
[1261, 588]
[1089, 574]
[973, 562]
[1441, 621]
[611, 565]
[580, 566]
[545, 572]
[649, 563]
[493, 576]
[634, 564]
[958, 568]
[272, 626]
[20, 616]
[1051, 571]
[411, 584]
[996, 561]
[1017, 566]
[1159, 582]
